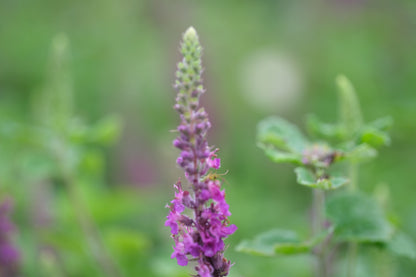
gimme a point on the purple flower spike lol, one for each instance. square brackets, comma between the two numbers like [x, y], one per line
[200, 237]
[9, 255]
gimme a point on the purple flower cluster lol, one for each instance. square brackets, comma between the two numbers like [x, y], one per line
[198, 235]
[9, 256]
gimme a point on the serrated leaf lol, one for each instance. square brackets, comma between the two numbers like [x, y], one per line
[357, 218]
[402, 245]
[307, 178]
[275, 241]
[278, 156]
[361, 153]
[282, 134]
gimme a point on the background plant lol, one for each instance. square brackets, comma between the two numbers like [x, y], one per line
[346, 224]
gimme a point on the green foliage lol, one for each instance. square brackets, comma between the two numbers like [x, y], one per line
[281, 134]
[349, 107]
[277, 241]
[357, 218]
[375, 133]
[325, 130]
[121, 68]
[351, 216]
[279, 156]
[402, 245]
[361, 153]
[307, 178]
[284, 142]
[55, 105]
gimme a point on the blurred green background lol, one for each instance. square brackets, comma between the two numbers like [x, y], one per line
[261, 57]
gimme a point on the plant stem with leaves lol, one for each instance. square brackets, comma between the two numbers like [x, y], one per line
[56, 119]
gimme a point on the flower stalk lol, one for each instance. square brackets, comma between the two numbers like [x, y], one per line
[198, 235]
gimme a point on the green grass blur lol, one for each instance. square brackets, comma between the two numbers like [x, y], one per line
[261, 58]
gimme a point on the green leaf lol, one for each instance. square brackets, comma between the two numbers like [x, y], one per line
[78, 132]
[336, 182]
[382, 124]
[276, 241]
[402, 245]
[107, 130]
[361, 153]
[278, 156]
[127, 242]
[374, 137]
[316, 127]
[282, 134]
[358, 218]
[92, 162]
[307, 178]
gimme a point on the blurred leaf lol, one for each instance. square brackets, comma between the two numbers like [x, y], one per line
[357, 217]
[278, 156]
[361, 153]
[275, 241]
[349, 107]
[382, 124]
[49, 263]
[54, 108]
[37, 165]
[374, 137]
[335, 182]
[307, 178]
[107, 130]
[125, 205]
[282, 134]
[402, 245]
[168, 268]
[125, 242]
[319, 128]
[78, 132]
[92, 162]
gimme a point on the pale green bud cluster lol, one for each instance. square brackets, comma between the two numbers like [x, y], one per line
[188, 75]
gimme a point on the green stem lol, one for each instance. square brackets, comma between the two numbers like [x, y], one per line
[318, 210]
[352, 258]
[318, 206]
[353, 246]
[90, 231]
[386, 266]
